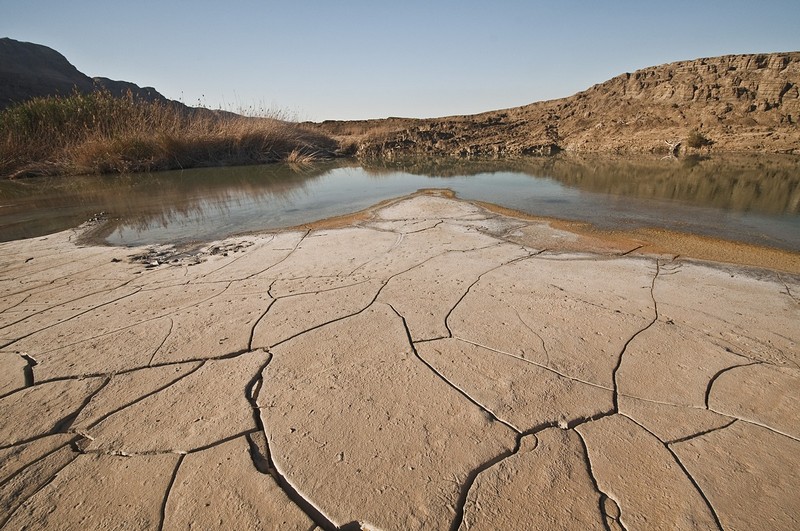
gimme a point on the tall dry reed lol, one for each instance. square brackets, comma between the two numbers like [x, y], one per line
[100, 133]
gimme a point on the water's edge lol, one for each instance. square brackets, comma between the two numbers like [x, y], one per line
[754, 200]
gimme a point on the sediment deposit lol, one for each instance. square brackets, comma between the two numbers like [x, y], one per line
[427, 365]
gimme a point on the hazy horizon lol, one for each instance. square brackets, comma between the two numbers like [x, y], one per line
[358, 60]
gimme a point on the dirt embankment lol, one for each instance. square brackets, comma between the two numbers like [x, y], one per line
[737, 102]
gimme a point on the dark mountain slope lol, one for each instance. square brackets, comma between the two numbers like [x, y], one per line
[30, 70]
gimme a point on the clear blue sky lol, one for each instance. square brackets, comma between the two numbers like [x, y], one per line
[370, 59]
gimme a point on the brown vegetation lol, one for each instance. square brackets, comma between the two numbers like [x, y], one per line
[100, 133]
[745, 103]
[697, 140]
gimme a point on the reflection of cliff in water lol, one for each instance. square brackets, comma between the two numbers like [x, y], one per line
[143, 200]
[203, 204]
[768, 184]
[451, 167]
[199, 193]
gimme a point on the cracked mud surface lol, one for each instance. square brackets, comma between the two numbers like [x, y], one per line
[432, 366]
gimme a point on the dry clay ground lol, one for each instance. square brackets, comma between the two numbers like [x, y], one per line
[432, 366]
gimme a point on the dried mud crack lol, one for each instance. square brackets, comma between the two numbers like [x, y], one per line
[432, 365]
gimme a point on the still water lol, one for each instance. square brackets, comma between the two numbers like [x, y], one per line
[751, 199]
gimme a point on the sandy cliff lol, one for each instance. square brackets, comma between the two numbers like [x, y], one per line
[738, 102]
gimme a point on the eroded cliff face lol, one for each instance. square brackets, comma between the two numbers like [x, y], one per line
[748, 102]
[738, 102]
[733, 83]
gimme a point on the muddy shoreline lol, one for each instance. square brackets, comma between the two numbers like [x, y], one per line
[641, 241]
[426, 364]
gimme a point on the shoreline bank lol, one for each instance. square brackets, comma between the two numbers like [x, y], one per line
[585, 237]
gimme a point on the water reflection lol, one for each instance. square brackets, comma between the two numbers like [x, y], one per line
[758, 183]
[143, 202]
[748, 198]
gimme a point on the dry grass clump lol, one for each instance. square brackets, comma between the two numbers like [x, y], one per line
[99, 133]
[698, 140]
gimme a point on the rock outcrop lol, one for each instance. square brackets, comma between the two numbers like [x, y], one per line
[735, 102]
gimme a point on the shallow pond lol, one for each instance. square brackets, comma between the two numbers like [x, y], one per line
[751, 199]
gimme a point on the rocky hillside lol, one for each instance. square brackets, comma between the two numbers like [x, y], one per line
[728, 103]
[30, 70]
[736, 102]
